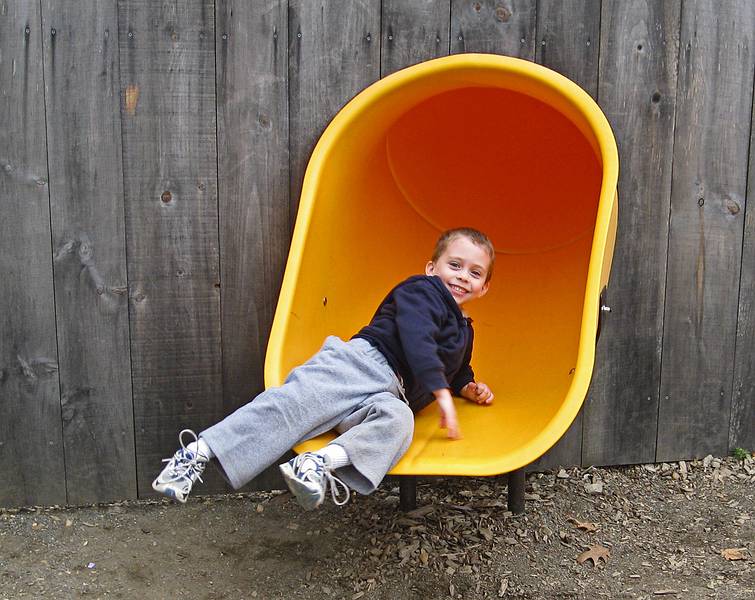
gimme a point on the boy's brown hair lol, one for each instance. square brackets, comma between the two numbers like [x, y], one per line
[474, 236]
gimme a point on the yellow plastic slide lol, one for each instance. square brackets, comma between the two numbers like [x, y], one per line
[496, 143]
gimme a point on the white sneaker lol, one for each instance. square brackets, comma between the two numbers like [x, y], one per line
[182, 470]
[308, 476]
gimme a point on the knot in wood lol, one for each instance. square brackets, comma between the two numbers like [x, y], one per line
[732, 206]
[502, 14]
[67, 412]
[85, 251]
[166, 197]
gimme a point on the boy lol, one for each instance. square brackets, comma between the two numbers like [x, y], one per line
[415, 350]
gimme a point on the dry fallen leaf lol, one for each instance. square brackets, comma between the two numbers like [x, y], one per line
[583, 526]
[734, 553]
[595, 553]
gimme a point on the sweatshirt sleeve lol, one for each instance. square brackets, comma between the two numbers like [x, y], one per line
[465, 374]
[418, 315]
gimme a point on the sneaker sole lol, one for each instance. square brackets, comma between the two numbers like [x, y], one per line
[308, 499]
[168, 491]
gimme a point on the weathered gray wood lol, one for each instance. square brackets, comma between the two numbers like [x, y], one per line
[86, 197]
[707, 219]
[637, 91]
[742, 425]
[31, 445]
[167, 64]
[568, 42]
[334, 53]
[251, 43]
[413, 32]
[495, 26]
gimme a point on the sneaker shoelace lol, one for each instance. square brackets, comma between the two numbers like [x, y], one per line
[186, 463]
[320, 469]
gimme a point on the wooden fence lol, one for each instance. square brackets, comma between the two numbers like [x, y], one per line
[151, 157]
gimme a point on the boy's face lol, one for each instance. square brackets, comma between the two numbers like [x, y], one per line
[463, 268]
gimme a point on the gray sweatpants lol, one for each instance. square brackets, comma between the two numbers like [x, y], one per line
[346, 386]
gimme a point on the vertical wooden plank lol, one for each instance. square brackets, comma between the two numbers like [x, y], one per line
[742, 423]
[252, 63]
[31, 444]
[495, 26]
[707, 219]
[413, 32]
[334, 53]
[86, 197]
[167, 61]
[568, 42]
[637, 92]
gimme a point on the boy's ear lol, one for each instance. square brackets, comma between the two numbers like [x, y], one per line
[429, 268]
[484, 289]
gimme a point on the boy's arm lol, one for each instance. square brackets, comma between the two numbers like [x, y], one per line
[448, 418]
[464, 377]
[465, 374]
[418, 314]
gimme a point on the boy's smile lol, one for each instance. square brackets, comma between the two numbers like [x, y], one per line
[463, 269]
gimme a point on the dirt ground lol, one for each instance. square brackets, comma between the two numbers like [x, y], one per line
[679, 530]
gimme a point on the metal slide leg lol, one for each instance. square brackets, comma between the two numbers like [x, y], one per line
[516, 491]
[407, 492]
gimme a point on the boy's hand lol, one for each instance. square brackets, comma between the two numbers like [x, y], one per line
[478, 392]
[448, 419]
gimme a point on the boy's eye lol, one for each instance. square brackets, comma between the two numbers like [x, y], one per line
[454, 264]
[476, 274]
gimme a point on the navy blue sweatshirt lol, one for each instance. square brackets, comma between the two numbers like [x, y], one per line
[427, 340]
